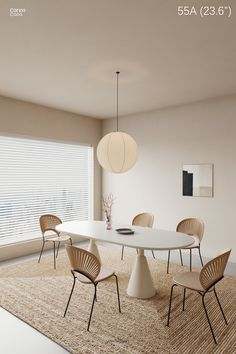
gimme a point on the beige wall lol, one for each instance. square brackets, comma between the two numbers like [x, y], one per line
[204, 132]
[31, 120]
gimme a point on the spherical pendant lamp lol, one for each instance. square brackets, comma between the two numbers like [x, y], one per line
[117, 151]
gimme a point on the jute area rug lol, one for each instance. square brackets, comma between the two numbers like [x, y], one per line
[37, 294]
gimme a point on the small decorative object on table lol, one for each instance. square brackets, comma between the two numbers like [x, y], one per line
[107, 207]
[125, 231]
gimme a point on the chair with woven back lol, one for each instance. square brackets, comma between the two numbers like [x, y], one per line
[144, 220]
[48, 223]
[202, 282]
[86, 268]
[193, 227]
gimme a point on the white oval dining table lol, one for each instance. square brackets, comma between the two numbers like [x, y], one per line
[144, 238]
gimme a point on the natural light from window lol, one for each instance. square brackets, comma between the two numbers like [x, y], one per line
[42, 177]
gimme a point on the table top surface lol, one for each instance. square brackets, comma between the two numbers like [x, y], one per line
[143, 237]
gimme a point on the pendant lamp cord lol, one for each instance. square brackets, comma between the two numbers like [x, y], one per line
[117, 100]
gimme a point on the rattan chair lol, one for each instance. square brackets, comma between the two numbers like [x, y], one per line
[48, 223]
[144, 220]
[202, 283]
[193, 227]
[86, 268]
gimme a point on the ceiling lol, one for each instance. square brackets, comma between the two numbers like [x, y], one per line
[64, 54]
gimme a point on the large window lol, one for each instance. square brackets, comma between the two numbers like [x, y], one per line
[40, 177]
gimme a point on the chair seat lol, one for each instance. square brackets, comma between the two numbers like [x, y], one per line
[59, 238]
[189, 280]
[104, 274]
[195, 244]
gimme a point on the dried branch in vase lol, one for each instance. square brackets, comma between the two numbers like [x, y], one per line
[107, 206]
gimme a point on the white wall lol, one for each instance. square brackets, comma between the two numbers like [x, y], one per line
[204, 132]
[31, 120]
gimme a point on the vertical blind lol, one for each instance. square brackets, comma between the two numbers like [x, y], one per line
[41, 177]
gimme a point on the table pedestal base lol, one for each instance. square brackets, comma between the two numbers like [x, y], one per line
[94, 249]
[140, 283]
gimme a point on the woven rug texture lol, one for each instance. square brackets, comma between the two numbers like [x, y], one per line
[37, 294]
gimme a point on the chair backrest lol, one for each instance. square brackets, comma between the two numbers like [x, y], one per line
[191, 226]
[49, 222]
[83, 262]
[143, 219]
[213, 271]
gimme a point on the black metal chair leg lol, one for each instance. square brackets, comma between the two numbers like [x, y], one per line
[71, 241]
[168, 262]
[208, 319]
[184, 297]
[170, 301]
[220, 306]
[181, 258]
[190, 260]
[118, 293]
[54, 252]
[41, 252]
[153, 254]
[200, 256]
[58, 246]
[68, 302]
[122, 253]
[91, 312]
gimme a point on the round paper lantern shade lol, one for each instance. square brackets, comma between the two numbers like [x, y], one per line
[117, 152]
